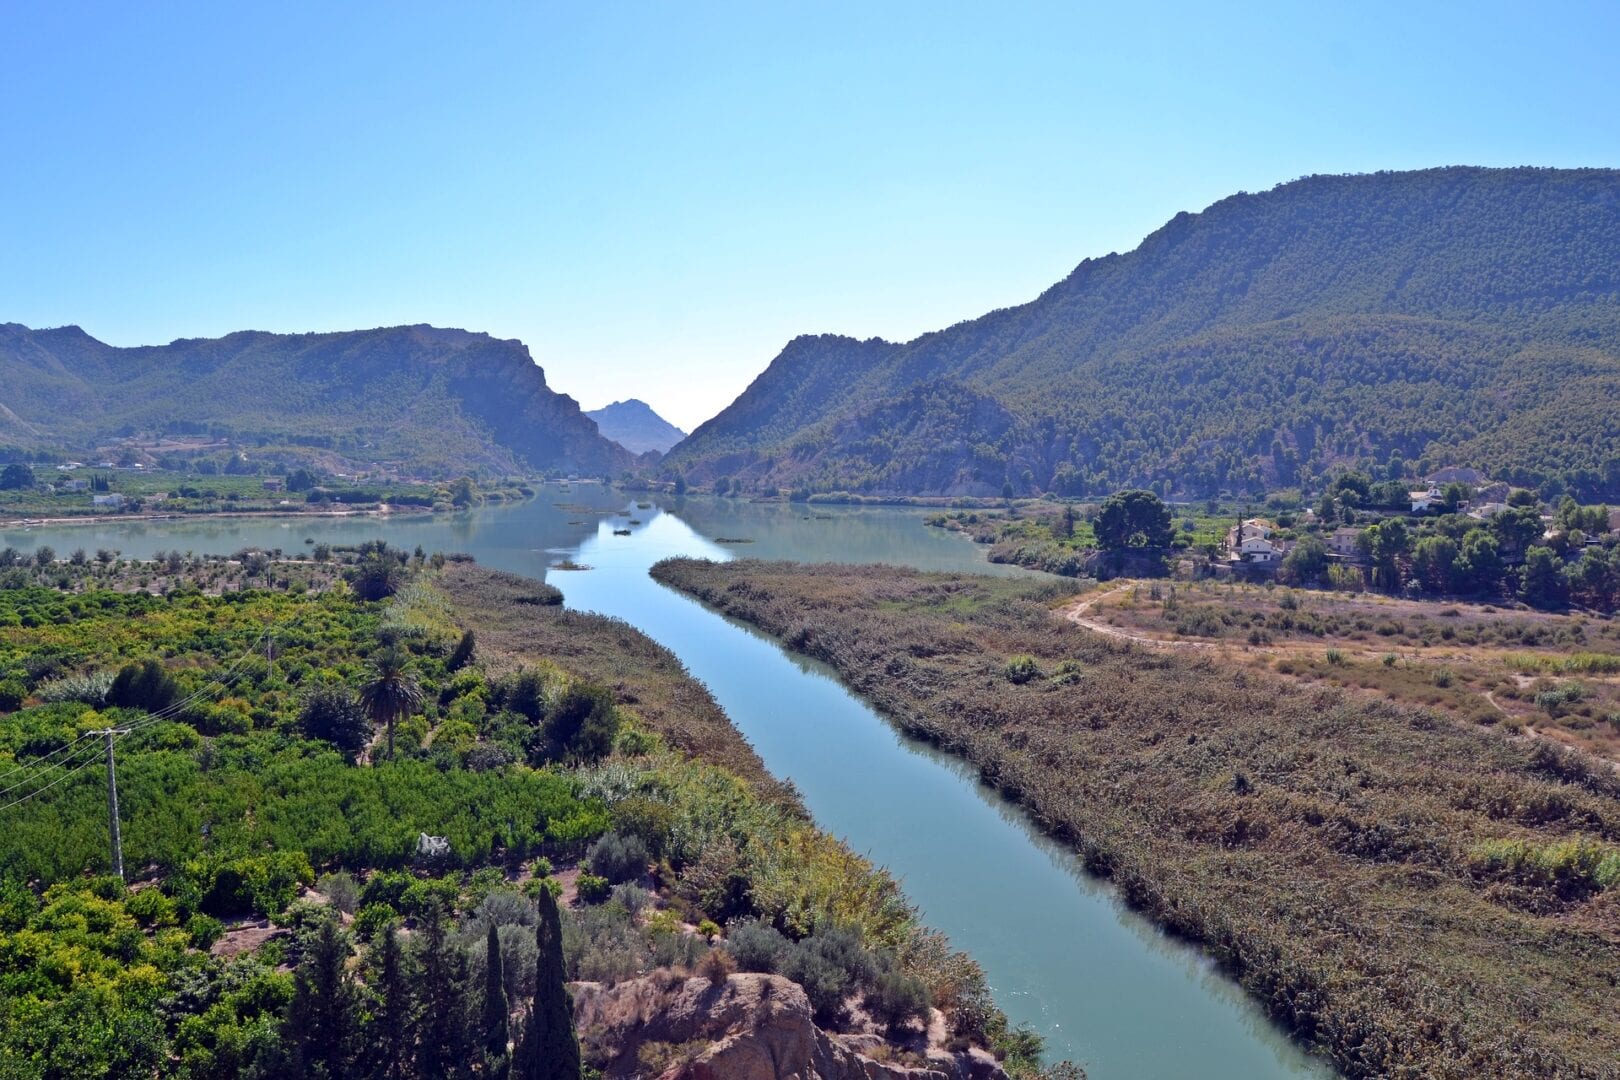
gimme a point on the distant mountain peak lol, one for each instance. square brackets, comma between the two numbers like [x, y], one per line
[634, 425]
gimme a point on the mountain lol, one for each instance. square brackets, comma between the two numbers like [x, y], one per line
[633, 425]
[416, 399]
[1450, 316]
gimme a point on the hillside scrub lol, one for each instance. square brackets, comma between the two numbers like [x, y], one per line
[262, 803]
[1384, 881]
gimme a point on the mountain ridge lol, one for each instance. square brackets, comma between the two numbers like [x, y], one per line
[429, 400]
[1188, 363]
[634, 425]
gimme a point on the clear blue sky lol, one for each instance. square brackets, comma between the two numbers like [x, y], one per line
[657, 197]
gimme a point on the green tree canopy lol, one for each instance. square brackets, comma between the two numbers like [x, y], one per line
[1134, 519]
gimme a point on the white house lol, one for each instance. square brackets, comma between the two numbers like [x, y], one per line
[115, 501]
[1424, 501]
[73, 485]
[1257, 549]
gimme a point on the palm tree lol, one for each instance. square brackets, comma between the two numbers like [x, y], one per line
[391, 693]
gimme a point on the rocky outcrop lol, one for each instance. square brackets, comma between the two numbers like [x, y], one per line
[749, 1027]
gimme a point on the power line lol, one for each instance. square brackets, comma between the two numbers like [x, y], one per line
[37, 773]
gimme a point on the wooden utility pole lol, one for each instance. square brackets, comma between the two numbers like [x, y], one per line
[112, 799]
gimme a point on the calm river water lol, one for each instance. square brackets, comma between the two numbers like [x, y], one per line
[1105, 988]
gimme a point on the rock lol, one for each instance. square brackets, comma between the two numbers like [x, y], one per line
[749, 1027]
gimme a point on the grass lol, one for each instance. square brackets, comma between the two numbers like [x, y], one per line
[1324, 846]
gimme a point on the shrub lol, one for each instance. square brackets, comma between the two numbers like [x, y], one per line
[373, 919]
[896, 999]
[204, 930]
[152, 909]
[593, 889]
[619, 858]
[1021, 669]
[425, 894]
[716, 966]
[341, 889]
[758, 946]
[12, 695]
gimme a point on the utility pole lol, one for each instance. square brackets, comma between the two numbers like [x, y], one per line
[112, 799]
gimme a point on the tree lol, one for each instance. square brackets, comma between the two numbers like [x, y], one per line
[391, 693]
[1306, 562]
[332, 714]
[444, 1044]
[375, 578]
[1432, 560]
[680, 484]
[394, 1018]
[1063, 528]
[462, 493]
[322, 1027]
[16, 476]
[496, 1034]
[1478, 567]
[463, 654]
[1541, 579]
[1516, 529]
[549, 1049]
[1134, 519]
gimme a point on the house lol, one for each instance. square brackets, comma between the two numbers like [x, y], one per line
[1257, 549]
[1486, 511]
[114, 501]
[1244, 530]
[1614, 521]
[73, 485]
[273, 483]
[1425, 501]
[1345, 543]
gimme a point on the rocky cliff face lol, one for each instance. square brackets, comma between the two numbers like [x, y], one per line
[749, 1027]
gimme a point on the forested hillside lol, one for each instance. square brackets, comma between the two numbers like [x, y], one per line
[1450, 316]
[429, 400]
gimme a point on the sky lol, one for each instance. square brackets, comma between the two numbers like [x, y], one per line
[657, 197]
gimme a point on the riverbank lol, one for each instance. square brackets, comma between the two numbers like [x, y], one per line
[201, 515]
[1385, 882]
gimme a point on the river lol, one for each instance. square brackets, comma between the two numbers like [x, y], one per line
[1105, 988]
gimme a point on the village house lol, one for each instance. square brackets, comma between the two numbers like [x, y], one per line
[73, 485]
[1251, 542]
[1345, 543]
[1425, 501]
[113, 501]
[273, 483]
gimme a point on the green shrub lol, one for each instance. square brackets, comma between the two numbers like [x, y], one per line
[618, 858]
[1021, 669]
[373, 919]
[896, 999]
[593, 889]
[341, 889]
[12, 695]
[204, 930]
[152, 909]
[758, 946]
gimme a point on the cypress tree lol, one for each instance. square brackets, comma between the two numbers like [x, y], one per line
[495, 1027]
[322, 1019]
[445, 1044]
[549, 1049]
[394, 1019]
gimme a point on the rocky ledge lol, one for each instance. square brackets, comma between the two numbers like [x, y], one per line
[748, 1027]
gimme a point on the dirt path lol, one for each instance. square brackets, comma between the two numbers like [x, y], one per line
[1079, 612]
